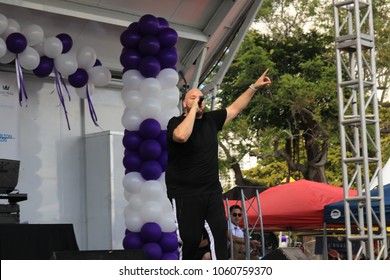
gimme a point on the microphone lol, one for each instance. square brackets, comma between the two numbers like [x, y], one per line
[200, 101]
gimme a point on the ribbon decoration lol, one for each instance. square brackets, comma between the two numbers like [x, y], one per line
[21, 87]
[91, 108]
[58, 82]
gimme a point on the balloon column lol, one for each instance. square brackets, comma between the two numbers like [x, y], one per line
[151, 97]
[32, 51]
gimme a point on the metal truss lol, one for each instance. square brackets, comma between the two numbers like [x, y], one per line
[359, 127]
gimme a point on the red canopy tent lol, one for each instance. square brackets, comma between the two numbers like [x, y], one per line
[294, 206]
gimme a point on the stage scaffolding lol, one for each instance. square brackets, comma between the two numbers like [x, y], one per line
[359, 125]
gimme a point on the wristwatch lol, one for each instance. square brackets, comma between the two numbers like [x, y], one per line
[252, 87]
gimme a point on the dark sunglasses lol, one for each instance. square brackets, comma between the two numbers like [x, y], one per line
[236, 214]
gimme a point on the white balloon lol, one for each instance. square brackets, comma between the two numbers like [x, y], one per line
[170, 98]
[29, 59]
[7, 57]
[133, 221]
[131, 119]
[151, 211]
[132, 182]
[166, 205]
[151, 190]
[3, 47]
[82, 92]
[126, 195]
[66, 64]
[3, 23]
[135, 201]
[86, 57]
[167, 222]
[52, 47]
[39, 48]
[34, 34]
[168, 78]
[13, 26]
[99, 76]
[150, 87]
[132, 79]
[131, 98]
[166, 115]
[150, 108]
[162, 182]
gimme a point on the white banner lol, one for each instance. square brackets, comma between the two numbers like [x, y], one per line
[9, 116]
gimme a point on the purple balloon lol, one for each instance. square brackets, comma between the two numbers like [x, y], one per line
[45, 67]
[150, 129]
[151, 170]
[133, 26]
[148, 25]
[167, 57]
[130, 39]
[79, 78]
[150, 232]
[163, 160]
[130, 58]
[168, 37]
[168, 242]
[169, 256]
[132, 162]
[162, 23]
[66, 40]
[97, 63]
[132, 140]
[149, 66]
[152, 251]
[132, 240]
[16, 42]
[150, 149]
[149, 45]
[162, 139]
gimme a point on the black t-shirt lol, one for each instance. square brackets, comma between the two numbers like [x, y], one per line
[193, 166]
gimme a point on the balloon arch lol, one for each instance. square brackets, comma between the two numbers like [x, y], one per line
[30, 50]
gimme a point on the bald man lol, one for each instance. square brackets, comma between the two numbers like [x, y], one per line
[192, 175]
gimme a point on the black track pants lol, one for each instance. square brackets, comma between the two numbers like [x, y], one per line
[193, 215]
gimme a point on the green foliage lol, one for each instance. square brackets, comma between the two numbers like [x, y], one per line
[270, 173]
[288, 17]
[384, 116]
[333, 165]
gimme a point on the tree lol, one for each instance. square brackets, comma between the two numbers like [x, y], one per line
[296, 105]
[381, 11]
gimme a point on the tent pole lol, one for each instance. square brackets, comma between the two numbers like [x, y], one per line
[247, 235]
[230, 229]
[324, 244]
[261, 223]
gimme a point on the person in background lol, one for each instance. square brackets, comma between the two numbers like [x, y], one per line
[203, 252]
[192, 175]
[238, 236]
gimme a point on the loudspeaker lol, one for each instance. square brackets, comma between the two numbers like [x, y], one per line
[134, 254]
[290, 253]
